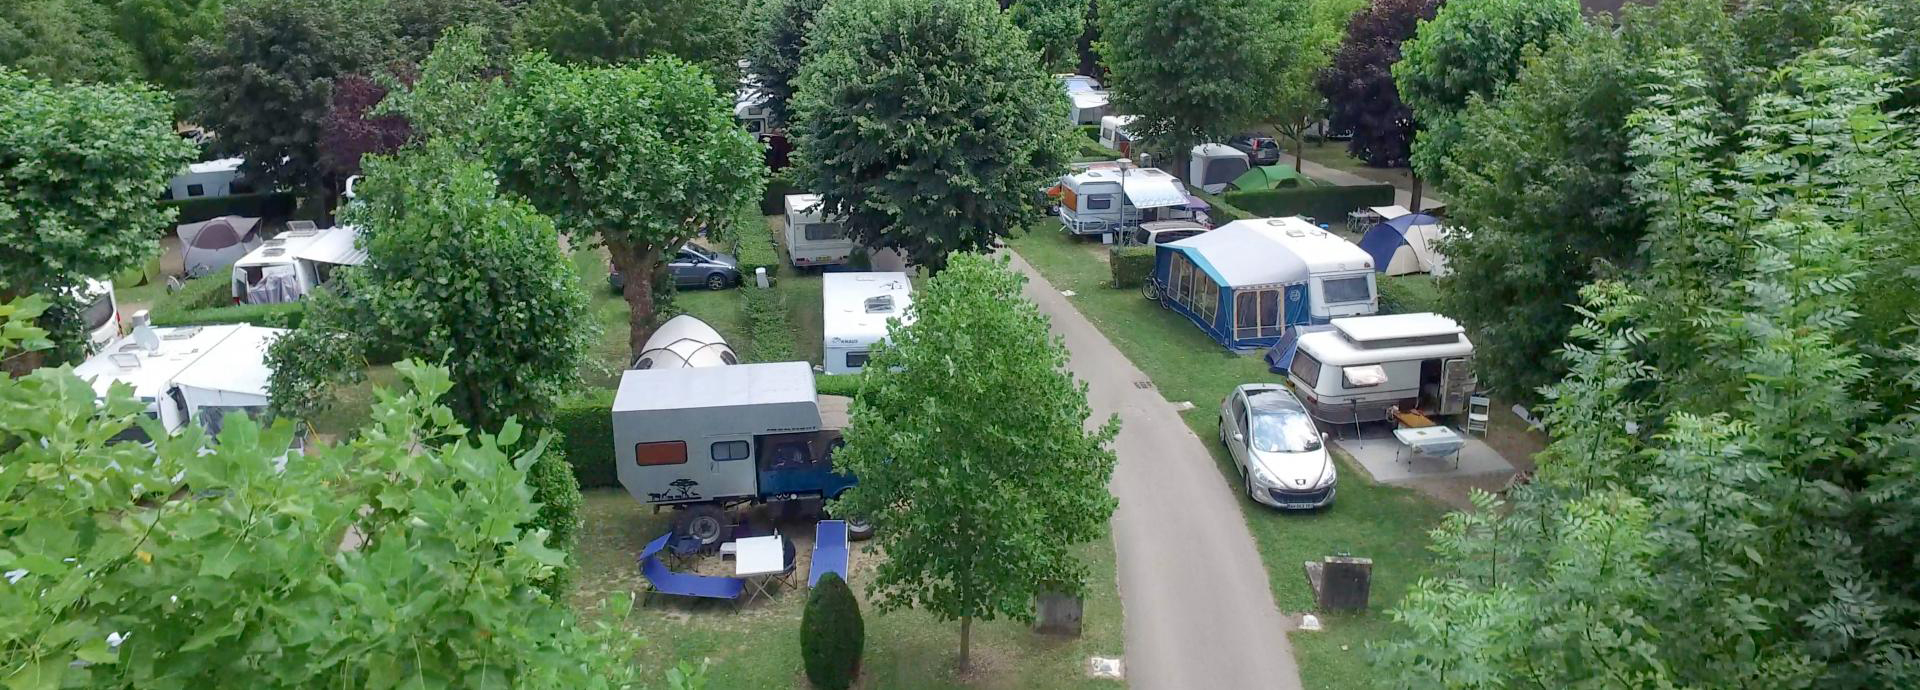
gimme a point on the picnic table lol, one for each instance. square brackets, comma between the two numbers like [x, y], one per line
[757, 560]
[1432, 441]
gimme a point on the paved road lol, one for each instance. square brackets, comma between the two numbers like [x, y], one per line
[1401, 195]
[1199, 613]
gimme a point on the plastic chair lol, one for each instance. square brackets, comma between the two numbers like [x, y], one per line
[1478, 409]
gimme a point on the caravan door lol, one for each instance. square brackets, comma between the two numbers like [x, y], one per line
[730, 470]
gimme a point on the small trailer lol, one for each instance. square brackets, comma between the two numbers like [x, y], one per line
[1114, 134]
[189, 374]
[1211, 167]
[1354, 369]
[812, 238]
[855, 310]
[703, 440]
[208, 179]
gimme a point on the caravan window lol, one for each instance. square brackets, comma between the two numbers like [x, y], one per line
[196, 190]
[816, 232]
[660, 453]
[729, 450]
[856, 360]
[754, 126]
[1344, 290]
[1256, 313]
[1099, 202]
[1306, 368]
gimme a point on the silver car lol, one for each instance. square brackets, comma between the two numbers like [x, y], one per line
[692, 266]
[1281, 456]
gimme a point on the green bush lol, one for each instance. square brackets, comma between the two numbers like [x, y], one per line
[773, 202]
[1221, 212]
[769, 333]
[205, 292]
[284, 315]
[585, 425]
[843, 384]
[274, 205]
[558, 493]
[1326, 204]
[1093, 151]
[832, 635]
[754, 246]
[1413, 293]
[1091, 132]
[1130, 265]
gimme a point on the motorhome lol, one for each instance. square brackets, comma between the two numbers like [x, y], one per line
[1114, 134]
[856, 309]
[812, 238]
[1341, 274]
[1356, 369]
[1212, 166]
[287, 267]
[1117, 197]
[1087, 103]
[207, 179]
[189, 374]
[750, 110]
[703, 440]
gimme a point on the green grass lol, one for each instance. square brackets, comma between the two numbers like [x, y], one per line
[757, 645]
[1387, 524]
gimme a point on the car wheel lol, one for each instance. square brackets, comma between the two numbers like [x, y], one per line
[859, 530]
[704, 521]
[717, 281]
[1223, 431]
[1246, 478]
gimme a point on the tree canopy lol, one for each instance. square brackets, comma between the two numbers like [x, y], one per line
[1312, 32]
[773, 56]
[65, 41]
[976, 468]
[161, 34]
[928, 125]
[1470, 49]
[708, 33]
[1053, 30]
[1192, 71]
[1361, 95]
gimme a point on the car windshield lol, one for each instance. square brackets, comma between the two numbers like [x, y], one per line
[1281, 425]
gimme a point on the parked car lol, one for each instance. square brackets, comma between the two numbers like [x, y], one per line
[1163, 231]
[1260, 148]
[693, 266]
[1281, 456]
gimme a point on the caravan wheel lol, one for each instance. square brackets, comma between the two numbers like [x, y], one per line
[705, 521]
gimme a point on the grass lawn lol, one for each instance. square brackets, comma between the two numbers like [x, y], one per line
[1387, 524]
[757, 645]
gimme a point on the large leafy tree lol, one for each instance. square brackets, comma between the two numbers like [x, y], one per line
[390, 560]
[1192, 71]
[1361, 95]
[80, 166]
[352, 130]
[162, 32]
[928, 125]
[976, 466]
[773, 56]
[639, 158]
[1053, 30]
[1730, 497]
[1468, 51]
[1311, 32]
[708, 33]
[64, 40]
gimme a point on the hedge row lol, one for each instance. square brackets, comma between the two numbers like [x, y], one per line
[585, 424]
[259, 205]
[1091, 132]
[1093, 151]
[773, 201]
[769, 333]
[1130, 265]
[1221, 212]
[754, 247]
[843, 384]
[1326, 204]
[208, 300]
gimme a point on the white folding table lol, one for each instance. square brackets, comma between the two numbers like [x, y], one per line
[756, 560]
[1432, 441]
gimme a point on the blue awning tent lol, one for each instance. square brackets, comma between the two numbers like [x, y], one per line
[1236, 282]
[1404, 244]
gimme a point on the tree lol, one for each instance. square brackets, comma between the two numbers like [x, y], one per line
[265, 85]
[161, 34]
[80, 166]
[1468, 51]
[1183, 67]
[832, 634]
[1359, 87]
[63, 40]
[708, 33]
[640, 158]
[773, 57]
[1312, 33]
[929, 126]
[1053, 30]
[976, 468]
[352, 130]
[210, 562]
[452, 101]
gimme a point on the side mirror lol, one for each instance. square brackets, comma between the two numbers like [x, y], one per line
[1324, 436]
[1237, 436]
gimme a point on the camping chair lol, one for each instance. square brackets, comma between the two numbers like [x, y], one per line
[829, 550]
[684, 547]
[790, 559]
[666, 581]
[1478, 407]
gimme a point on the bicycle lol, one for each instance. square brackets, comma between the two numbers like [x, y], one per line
[1155, 291]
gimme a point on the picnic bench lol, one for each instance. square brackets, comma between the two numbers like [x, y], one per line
[665, 581]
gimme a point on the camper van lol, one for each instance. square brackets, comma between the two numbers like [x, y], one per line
[1087, 103]
[857, 307]
[1342, 275]
[190, 374]
[1117, 197]
[287, 267]
[812, 239]
[702, 440]
[208, 179]
[1114, 134]
[1355, 369]
[1212, 166]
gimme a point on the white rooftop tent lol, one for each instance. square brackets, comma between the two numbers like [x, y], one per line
[291, 265]
[684, 342]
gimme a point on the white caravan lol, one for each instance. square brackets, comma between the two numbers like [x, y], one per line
[188, 374]
[289, 266]
[813, 239]
[208, 179]
[1357, 369]
[100, 309]
[1342, 274]
[1114, 134]
[1211, 166]
[1117, 197]
[1086, 102]
[857, 307]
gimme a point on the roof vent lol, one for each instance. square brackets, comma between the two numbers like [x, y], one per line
[274, 251]
[880, 305]
[276, 242]
[1295, 232]
[302, 226]
[124, 360]
[181, 333]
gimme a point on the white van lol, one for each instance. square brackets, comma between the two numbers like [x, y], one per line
[812, 239]
[857, 307]
[1342, 273]
[1359, 367]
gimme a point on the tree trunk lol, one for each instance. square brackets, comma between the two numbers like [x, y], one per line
[1299, 148]
[966, 641]
[636, 265]
[1415, 201]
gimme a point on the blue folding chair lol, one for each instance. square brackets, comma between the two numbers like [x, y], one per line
[829, 551]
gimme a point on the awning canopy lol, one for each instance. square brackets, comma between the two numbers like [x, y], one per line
[333, 246]
[1242, 255]
[1153, 188]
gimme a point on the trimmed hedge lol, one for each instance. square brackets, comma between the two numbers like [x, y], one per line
[1092, 132]
[1413, 293]
[844, 384]
[832, 635]
[1326, 204]
[1222, 212]
[754, 246]
[585, 425]
[1093, 151]
[1130, 265]
[259, 205]
[773, 201]
[208, 300]
[769, 333]
[558, 493]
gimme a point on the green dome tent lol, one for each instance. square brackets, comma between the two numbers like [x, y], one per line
[1270, 177]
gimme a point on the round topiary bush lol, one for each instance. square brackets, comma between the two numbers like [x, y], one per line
[832, 635]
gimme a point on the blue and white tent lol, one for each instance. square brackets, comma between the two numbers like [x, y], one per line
[1238, 282]
[1405, 242]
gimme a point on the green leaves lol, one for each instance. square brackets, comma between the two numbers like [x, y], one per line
[1196, 71]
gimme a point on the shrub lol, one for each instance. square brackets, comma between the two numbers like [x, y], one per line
[1130, 265]
[844, 384]
[558, 493]
[832, 636]
[1091, 132]
[754, 246]
[585, 425]
[274, 205]
[208, 300]
[769, 334]
[1093, 151]
[1326, 204]
[1413, 293]
[205, 292]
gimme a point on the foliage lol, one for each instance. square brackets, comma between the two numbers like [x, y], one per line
[754, 246]
[773, 201]
[1468, 51]
[1329, 204]
[1361, 94]
[832, 636]
[389, 560]
[17, 330]
[929, 126]
[1412, 293]
[1219, 211]
[80, 165]
[1184, 67]
[286, 315]
[708, 33]
[161, 34]
[846, 386]
[64, 41]
[773, 56]
[419, 25]
[558, 495]
[351, 130]
[1727, 499]
[453, 99]
[264, 82]
[769, 332]
[1130, 265]
[458, 272]
[1312, 31]
[1053, 30]
[638, 158]
[265, 205]
[585, 425]
[975, 466]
